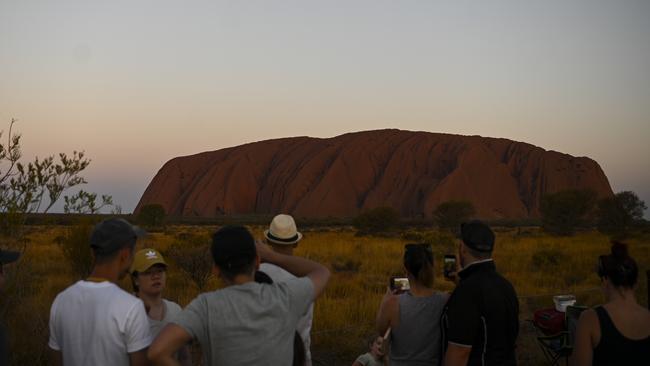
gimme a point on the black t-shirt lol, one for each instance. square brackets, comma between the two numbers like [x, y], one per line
[483, 312]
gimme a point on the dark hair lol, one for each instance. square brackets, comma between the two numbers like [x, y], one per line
[371, 340]
[102, 256]
[619, 268]
[233, 251]
[418, 261]
[136, 288]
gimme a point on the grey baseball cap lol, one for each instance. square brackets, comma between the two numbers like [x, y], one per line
[114, 234]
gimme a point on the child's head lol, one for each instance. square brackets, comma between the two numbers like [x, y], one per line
[375, 345]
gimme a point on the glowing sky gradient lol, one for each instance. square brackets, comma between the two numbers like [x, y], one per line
[135, 83]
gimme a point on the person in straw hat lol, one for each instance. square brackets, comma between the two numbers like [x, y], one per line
[283, 237]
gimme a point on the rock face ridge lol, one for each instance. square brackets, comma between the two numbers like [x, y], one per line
[412, 172]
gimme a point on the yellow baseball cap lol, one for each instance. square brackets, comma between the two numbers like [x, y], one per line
[146, 258]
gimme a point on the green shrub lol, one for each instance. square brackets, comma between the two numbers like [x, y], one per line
[342, 264]
[377, 220]
[193, 257]
[75, 245]
[563, 211]
[548, 259]
[152, 215]
[449, 215]
[618, 215]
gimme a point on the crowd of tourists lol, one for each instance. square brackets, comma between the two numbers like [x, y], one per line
[263, 314]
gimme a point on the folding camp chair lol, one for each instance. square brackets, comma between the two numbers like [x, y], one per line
[559, 345]
[554, 347]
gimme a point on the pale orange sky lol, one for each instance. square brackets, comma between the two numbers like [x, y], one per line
[137, 83]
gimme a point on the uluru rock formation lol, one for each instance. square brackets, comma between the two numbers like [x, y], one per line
[412, 172]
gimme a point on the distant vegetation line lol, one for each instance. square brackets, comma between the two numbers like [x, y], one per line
[252, 219]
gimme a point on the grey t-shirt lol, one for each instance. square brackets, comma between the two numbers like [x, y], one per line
[249, 324]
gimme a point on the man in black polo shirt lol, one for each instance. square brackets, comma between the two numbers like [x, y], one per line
[481, 320]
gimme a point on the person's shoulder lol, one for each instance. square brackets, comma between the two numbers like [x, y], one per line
[277, 274]
[72, 291]
[589, 315]
[66, 293]
[364, 359]
[118, 297]
[589, 319]
[293, 287]
[172, 307]
[171, 304]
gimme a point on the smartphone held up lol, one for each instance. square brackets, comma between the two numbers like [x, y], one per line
[399, 284]
[449, 265]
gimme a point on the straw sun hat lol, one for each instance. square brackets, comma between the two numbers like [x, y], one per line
[283, 231]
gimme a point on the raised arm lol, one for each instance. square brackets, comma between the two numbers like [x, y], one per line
[299, 267]
[56, 358]
[170, 340]
[139, 358]
[388, 313]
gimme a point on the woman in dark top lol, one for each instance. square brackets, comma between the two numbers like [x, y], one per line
[617, 333]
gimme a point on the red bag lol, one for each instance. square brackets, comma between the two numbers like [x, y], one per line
[549, 321]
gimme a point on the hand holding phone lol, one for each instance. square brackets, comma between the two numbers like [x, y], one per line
[450, 266]
[399, 284]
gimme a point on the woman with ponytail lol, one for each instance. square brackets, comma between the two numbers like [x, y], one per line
[618, 332]
[414, 315]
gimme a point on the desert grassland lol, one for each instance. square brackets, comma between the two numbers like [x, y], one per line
[538, 265]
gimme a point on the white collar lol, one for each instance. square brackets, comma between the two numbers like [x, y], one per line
[477, 262]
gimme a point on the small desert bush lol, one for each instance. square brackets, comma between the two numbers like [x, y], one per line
[548, 259]
[75, 245]
[378, 220]
[193, 257]
[342, 264]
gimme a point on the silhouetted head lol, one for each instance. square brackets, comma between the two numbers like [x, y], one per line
[233, 251]
[477, 238]
[618, 267]
[418, 262]
[113, 240]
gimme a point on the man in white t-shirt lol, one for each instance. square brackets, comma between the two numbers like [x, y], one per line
[245, 323]
[283, 237]
[94, 322]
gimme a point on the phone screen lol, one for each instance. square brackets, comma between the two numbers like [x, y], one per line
[400, 284]
[450, 264]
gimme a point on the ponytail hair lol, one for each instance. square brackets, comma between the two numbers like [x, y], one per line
[418, 261]
[618, 267]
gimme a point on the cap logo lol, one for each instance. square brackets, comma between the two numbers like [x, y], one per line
[151, 254]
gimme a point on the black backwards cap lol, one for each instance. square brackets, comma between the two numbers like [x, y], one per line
[233, 247]
[477, 235]
[114, 234]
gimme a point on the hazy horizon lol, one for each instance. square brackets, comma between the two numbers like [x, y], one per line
[136, 83]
